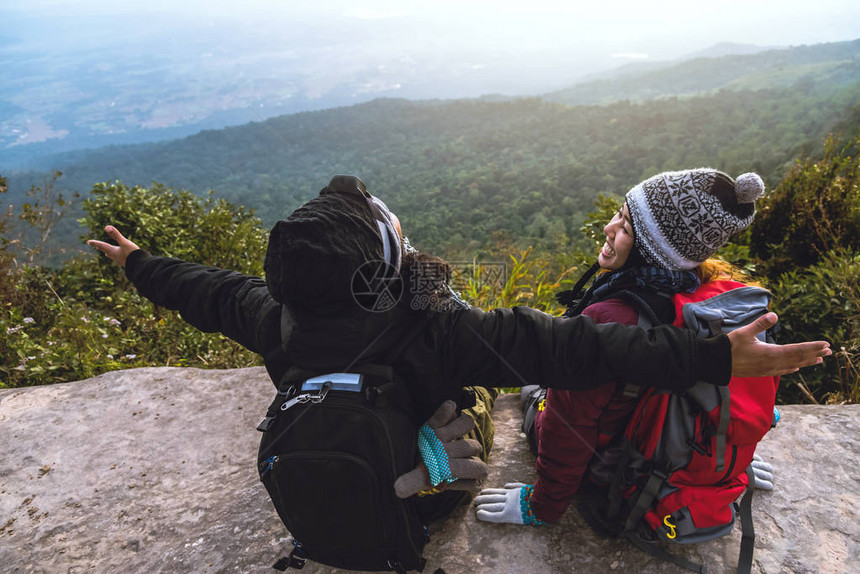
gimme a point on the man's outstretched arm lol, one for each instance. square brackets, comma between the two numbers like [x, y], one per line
[748, 355]
[522, 346]
[209, 298]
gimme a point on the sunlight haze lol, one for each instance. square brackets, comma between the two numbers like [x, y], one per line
[513, 47]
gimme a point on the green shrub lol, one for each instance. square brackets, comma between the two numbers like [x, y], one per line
[211, 231]
[804, 241]
[529, 280]
[85, 318]
[814, 210]
[822, 302]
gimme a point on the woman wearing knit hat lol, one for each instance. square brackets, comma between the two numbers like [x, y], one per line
[659, 243]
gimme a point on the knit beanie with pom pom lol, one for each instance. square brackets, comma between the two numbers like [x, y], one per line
[680, 218]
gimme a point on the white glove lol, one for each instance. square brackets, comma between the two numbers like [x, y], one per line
[763, 473]
[506, 504]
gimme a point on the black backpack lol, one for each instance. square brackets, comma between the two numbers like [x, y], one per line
[331, 450]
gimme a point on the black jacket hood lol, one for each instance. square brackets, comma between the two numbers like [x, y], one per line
[314, 253]
[338, 253]
[318, 262]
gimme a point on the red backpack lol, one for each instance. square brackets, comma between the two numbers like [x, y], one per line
[683, 460]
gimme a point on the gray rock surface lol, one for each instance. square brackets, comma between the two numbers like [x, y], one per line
[153, 470]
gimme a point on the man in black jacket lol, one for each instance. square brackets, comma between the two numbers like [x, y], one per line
[308, 312]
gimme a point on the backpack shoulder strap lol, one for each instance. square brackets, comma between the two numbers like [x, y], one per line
[647, 319]
[747, 530]
[722, 428]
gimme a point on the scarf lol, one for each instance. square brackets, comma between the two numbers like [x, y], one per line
[626, 281]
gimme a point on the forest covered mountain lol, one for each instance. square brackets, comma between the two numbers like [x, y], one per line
[480, 180]
[459, 170]
[80, 99]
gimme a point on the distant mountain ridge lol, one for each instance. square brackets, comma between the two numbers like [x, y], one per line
[712, 70]
[460, 171]
[730, 49]
[636, 68]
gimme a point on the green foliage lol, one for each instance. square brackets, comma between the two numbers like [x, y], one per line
[73, 340]
[25, 229]
[529, 280]
[179, 224]
[823, 302]
[459, 171]
[814, 210]
[39, 216]
[84, 319]
[805, 242]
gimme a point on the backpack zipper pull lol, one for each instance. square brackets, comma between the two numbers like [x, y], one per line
[293, 401]
[309, 397]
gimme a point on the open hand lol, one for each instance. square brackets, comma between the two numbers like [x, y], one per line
[116, 253]
[753, 358]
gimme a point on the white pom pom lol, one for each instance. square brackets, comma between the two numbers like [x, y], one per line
[748, 187]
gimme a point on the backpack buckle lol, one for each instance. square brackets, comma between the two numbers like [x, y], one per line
[283, 397]
[296, 559]
[266, 424]
[297, 562]
[660, 473]
[291, 561]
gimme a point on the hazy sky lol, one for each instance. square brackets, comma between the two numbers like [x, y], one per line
[537, 24]
[477, 32]
[443, 48]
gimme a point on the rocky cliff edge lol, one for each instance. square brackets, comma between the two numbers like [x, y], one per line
[153, 470]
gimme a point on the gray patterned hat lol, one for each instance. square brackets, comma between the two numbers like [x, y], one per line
[680, 218]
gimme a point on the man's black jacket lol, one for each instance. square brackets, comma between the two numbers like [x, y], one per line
[436, 353]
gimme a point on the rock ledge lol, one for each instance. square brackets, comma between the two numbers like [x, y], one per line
[153, 470]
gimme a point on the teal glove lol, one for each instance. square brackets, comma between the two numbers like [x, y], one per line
[511, 504]
[450, 462]
[763, 473]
